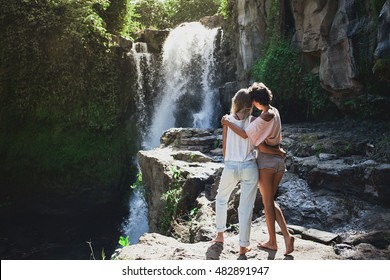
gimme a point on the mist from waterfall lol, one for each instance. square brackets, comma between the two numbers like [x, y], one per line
[187, 87]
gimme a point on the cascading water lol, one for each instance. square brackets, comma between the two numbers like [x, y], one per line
[137, 222]
[188, 81]
[144, 62]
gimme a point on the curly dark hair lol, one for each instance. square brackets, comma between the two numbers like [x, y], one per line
[260, 93]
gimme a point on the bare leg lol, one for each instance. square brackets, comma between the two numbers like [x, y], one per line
[244, 250]
[267, 191]
[219, 238]
[288, 238]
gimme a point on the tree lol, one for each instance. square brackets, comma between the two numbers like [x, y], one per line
[170, 13]
[192, 10]
[120, 17]
[153, 14]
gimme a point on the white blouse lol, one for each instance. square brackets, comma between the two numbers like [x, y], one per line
[238, 148]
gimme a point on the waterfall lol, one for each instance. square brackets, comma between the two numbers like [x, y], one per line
[188, 81]
[186, 97]
[136, 223]
[144, 62]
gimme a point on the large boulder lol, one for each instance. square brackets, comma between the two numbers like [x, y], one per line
[158, 167]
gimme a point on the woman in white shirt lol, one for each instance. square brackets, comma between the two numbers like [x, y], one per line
[267, 129]
[240, 167]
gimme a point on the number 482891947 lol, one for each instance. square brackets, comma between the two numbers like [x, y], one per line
[262, 270]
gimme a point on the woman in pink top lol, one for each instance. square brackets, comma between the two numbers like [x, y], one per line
[266, 129]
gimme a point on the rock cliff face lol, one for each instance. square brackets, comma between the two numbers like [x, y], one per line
[340, 40]
[154, 38]
[336, 189]
[158, 168]
[251, 25]
[341, 34]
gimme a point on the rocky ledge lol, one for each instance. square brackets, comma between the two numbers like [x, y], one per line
[154, 246]
[335, 195]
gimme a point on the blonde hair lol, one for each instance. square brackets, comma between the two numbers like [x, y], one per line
[242, 102]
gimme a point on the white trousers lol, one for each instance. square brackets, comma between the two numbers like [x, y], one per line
[247, 174]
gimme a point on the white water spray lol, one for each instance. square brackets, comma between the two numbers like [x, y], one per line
[144, 65]
[137, 223]
[188, 73]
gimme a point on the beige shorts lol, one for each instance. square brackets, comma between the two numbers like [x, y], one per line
[271, 162]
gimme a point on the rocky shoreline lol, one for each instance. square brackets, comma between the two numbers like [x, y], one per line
[335, 195]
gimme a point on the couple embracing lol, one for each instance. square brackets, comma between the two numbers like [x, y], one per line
[242, 135]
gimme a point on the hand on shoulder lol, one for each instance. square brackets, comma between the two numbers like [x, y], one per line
[267, 116]
[225, 120]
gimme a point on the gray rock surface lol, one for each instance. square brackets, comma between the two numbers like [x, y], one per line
[323, 196]
[158, 247]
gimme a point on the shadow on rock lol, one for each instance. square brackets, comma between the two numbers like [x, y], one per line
[288, 257]
[271, 253]
[214, 251]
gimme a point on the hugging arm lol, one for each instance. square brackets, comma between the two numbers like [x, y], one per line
[224, 134]
[274, 150]
[264, 148]
[236, 129]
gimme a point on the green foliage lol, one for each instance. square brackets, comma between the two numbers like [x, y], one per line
[381, 69]
[381, 64]
[172, 198]
[318, 148]
[124, 241]
[193, 212]
[55, 44]
[278, 68]
[191, 10]
[92, 254]
[344, 148]
[121, 17]
[170, 13]
[154, 14]
[67, 157]
[273, 22]
[314, 96]
[138, 182]
[103, 254]
[297, 94]
[62, 94]
[224, 9]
